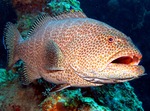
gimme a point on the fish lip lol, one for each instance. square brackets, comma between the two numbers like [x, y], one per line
[122, 57]
[128, 63]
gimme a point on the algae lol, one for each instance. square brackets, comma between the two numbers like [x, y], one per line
[59, 6]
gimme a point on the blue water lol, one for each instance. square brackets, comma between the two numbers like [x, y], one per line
[133, 18]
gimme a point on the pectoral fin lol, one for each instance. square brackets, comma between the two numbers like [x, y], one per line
[54, 57]
[60, 87]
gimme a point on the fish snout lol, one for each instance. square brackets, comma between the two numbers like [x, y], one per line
[124, 66]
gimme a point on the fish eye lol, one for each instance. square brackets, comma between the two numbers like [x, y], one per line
[110, 39]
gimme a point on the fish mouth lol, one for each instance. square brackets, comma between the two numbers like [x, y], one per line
[127, 63]
[124, 57]
[128, 60]
[123, 67]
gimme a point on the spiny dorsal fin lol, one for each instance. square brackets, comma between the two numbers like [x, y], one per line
[39, 21]
[11, 39]
[66, 15]
[45, 18]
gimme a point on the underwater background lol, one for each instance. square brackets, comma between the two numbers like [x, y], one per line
[132, 17]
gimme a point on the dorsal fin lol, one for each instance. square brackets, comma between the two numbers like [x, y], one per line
[66, 15]
[39, 21]
[42, 19]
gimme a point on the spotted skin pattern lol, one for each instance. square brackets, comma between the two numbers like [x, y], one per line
[79, 51]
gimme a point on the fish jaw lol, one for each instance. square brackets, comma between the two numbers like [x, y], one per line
[127, 62]
[113, 73]
[123, 71]
[122, 67]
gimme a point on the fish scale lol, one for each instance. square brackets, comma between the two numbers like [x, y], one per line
[71, 49]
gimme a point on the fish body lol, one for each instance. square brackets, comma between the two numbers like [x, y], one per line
[73, 50]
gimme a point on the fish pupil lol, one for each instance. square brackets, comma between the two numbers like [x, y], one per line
[110, 39]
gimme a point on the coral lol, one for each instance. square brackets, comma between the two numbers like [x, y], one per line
[6, 76]
[26, 11]
[28, 6]
[118, 97]
[70, 100]
[24, 23]
[59, 6]
[15, 97]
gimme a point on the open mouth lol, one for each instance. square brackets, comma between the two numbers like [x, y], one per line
[129, 60]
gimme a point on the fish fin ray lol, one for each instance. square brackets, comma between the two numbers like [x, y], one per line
[27, 75]
[54, 57]
[38, 22]
[45, 18]
[60, 87]
[11, 38]
[65, 15]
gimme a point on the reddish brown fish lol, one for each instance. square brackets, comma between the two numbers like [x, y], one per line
[73, 50]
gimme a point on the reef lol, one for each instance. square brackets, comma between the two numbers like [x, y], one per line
[132, 17]
[28, 10]
[16, 97]
[59, 6]
[28, 6]
[70, 100]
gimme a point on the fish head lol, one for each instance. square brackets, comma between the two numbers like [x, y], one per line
[106, 55]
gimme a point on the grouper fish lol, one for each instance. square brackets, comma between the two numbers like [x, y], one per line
[71, 49]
